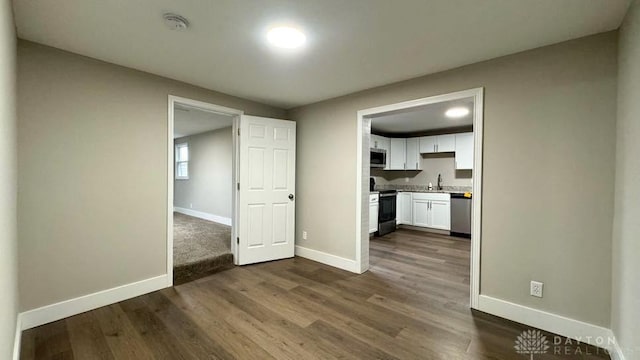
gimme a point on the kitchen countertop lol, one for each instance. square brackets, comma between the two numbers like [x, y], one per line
[425, 189]
[434, 191]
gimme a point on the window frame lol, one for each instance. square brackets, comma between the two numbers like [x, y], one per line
[177, 161]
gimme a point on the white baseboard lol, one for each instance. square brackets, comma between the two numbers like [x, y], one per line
[557, 324]
[616, 352]
[17, 339]
[328, 259]
[203, 215]
[63, 309]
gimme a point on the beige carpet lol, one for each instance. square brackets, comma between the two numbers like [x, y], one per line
[200, 248]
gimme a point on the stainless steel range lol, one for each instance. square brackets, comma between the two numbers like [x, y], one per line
[387, 212]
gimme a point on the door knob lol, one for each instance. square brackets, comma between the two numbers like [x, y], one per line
[291, 196]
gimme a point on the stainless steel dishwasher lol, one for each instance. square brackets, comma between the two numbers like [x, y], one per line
[460, 215]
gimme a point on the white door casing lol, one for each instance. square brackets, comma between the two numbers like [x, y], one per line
[267, 189]
[364, 117]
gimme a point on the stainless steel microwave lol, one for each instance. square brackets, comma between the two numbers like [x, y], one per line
[378, 158]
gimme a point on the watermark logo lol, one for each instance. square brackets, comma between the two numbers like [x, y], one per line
[531, 342]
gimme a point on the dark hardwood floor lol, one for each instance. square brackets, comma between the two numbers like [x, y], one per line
[412, 304]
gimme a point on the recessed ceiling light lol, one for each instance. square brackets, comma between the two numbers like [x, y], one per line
[457, 112]
[286, 37]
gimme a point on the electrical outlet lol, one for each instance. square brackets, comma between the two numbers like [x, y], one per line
[536, 288]
[304, 235]
[190, 206]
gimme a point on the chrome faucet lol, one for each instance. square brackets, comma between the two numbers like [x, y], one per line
[439, 181]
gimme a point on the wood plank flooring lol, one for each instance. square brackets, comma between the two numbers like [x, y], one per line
[412, 304]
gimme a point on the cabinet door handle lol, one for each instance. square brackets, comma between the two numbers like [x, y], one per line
[416, 166]
[405, 166]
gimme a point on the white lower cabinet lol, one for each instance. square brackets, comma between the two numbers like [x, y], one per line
[440, 215]
[404, 209]
[421, 213]
[373, 213]
[398, 208]
[432, 210]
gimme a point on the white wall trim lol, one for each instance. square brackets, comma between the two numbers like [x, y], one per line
[17, 340]
[327, 259]
[173, 100]
[362, 160]
[64, 309]
[557, 324]
[203, 215]
[616, 352]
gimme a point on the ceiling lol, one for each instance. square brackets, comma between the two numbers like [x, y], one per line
[190, 121]
[351, 45]
[422, 119]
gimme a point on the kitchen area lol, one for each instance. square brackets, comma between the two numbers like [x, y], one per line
[421, 172]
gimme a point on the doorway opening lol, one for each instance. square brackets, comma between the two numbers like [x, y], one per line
[202, 174]
[419, 188]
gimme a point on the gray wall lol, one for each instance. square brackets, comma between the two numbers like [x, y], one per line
[92, 158]
[549, 151]
[432, 165]
[8, 177]
[625, 307]
[209, 187]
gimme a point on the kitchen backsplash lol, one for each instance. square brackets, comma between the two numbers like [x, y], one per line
[432, 165]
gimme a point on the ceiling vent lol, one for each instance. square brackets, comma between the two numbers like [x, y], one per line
[175, 22]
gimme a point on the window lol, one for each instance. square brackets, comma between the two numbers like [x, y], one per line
[182, 161]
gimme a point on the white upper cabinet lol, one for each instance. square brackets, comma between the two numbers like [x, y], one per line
[413, 155]
[397, 154]
[437, 144]
[464, 151]
[428, 144]
[379, 142]
[374, 140]
[446, 143]
[404, 154]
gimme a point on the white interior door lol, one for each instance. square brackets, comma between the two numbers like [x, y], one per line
[267, 189]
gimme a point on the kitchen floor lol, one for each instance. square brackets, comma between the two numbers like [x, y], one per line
[412, 304]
